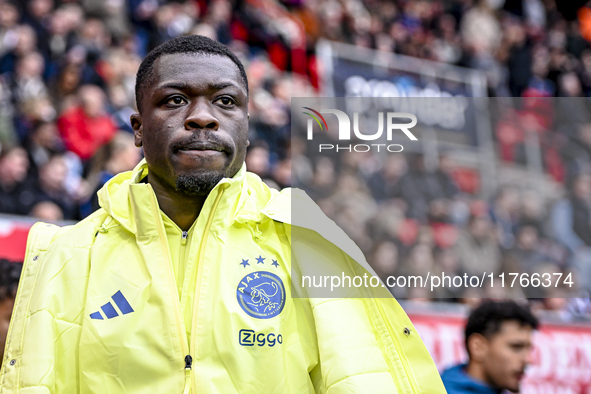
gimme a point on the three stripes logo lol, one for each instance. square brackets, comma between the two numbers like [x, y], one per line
[110, 311]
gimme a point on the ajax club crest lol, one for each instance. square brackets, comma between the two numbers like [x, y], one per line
[261, 294]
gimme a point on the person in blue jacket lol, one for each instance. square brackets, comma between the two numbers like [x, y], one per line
[498, 341]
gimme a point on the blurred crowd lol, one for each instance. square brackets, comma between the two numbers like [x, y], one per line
[415, 213]
[67, 74]
[410, 219]
[525, 47]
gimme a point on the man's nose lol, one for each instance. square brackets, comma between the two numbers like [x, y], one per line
[201, 117]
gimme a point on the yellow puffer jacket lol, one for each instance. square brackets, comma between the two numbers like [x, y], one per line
[98, 309]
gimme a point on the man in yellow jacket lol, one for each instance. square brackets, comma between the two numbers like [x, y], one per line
[184, 280]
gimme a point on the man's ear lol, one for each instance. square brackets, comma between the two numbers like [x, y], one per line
[136, 125]
[478, 347]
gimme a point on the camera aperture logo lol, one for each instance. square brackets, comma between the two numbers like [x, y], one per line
[344, 131]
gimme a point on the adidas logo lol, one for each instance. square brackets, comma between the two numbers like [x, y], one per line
[110, 311]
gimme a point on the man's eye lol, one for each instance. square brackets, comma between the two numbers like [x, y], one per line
[225, 101]
[176, 100]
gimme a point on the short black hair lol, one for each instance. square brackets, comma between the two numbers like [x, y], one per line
[487, 318]
[184, 44]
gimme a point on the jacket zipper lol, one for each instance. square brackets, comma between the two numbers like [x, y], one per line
[199, 276]
[188, 365]
[176, 305]
[182, 261]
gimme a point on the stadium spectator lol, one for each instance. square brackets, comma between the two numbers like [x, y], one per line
[526, 254]
[385, 184]
[37, 14]
[43, 142]
[419, 260]
[504, 213]
[282, 174]
[86, 126]
[257, 159]
[571, 226]
[17, 194]
[10, 273]
[498, 339]
[65, 85]
[576, 151]
[47, 211]
[384, 259]
[119, 155]
[9, 17]
[27, 80]
[25, 42]
[477, 248]
[51, 186]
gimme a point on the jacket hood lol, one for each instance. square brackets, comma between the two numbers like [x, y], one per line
[127, 199]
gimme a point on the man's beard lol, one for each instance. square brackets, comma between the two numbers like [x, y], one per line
[198, 185]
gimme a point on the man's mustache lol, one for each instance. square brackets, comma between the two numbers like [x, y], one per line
[212, 142]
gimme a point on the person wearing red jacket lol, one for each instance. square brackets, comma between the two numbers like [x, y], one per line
[86, 127]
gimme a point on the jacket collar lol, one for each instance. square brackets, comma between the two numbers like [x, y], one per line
[133, 203]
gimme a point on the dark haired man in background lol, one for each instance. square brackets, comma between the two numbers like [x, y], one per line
[180, 283]
[498, 342]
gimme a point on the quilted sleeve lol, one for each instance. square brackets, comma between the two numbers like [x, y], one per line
[366, 342]
[41, 347]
